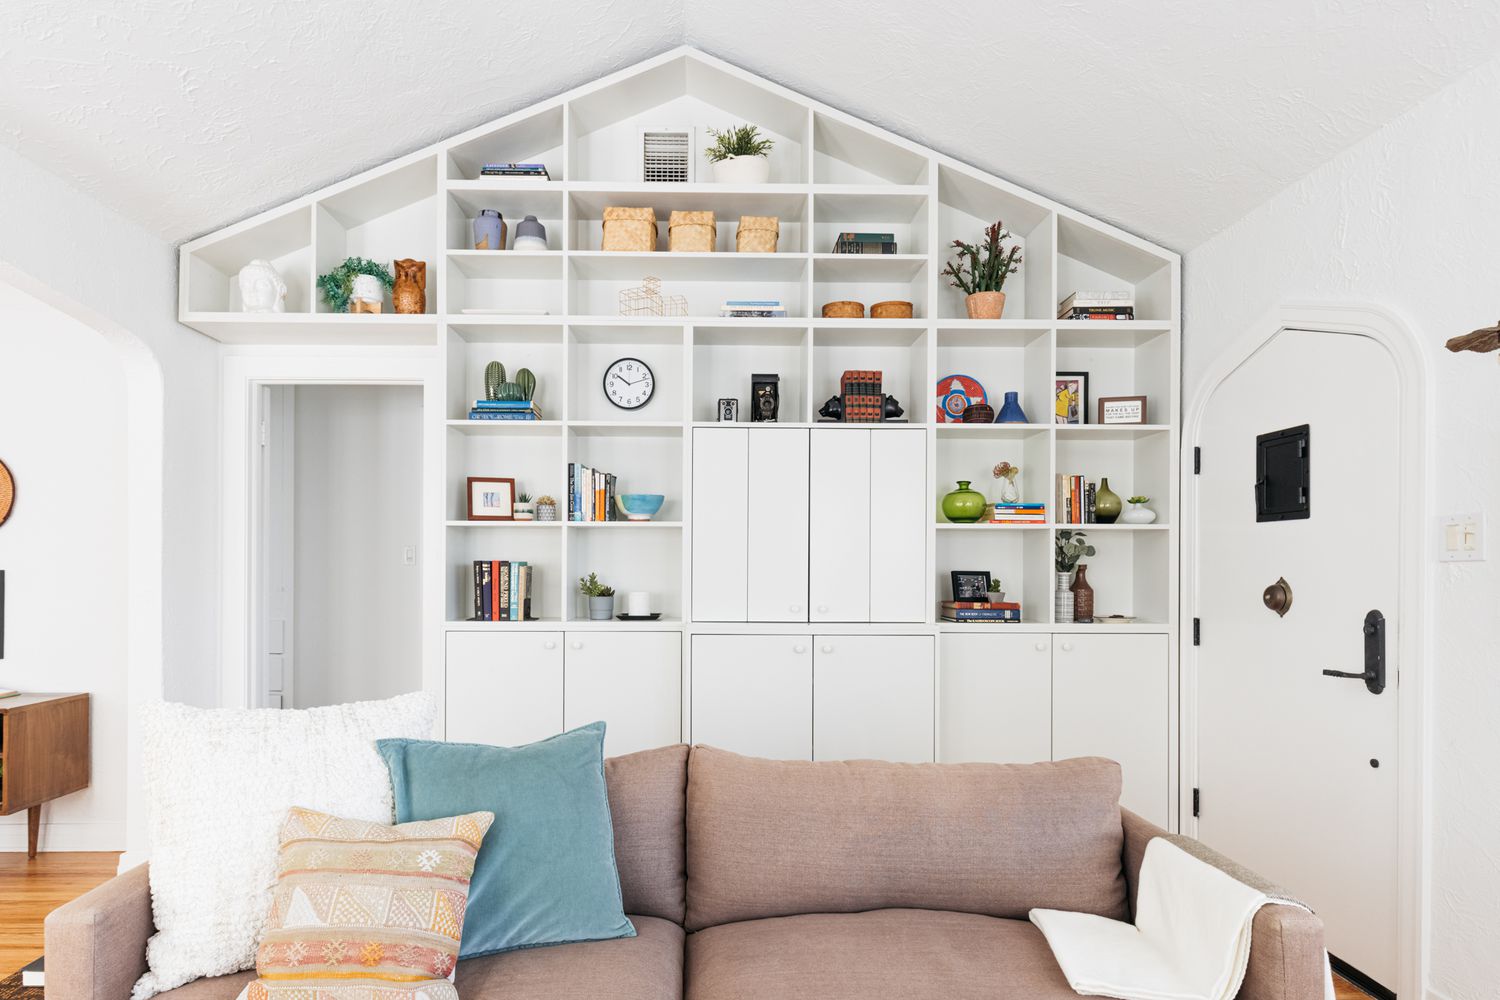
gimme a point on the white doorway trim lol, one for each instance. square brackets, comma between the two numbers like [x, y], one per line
[242, 376]
[1415, 422]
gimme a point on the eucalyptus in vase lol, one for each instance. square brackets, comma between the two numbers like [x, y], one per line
[1070, 546]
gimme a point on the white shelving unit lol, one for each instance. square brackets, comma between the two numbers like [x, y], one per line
[829, 173]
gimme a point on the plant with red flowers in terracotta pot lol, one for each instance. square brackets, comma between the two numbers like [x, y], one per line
[980, 271]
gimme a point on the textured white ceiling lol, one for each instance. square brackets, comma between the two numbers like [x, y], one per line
[1171, 118]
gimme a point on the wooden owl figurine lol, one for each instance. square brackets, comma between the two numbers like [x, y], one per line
[410, 293]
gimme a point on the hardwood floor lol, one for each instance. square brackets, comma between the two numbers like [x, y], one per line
[29, 890]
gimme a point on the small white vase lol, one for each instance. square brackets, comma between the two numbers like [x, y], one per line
[1062, 602]
[1138, 514]
[742, 170]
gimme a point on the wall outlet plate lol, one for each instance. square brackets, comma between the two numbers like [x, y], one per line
[1461, 537]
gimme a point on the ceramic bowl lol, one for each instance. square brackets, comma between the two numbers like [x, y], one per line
[639, 506]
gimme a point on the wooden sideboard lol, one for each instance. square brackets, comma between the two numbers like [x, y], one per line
[44, 747]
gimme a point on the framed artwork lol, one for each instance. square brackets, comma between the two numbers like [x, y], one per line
[492, 499]
[1070, 393]
[7, 492]
[971, 585]
[1122, 410]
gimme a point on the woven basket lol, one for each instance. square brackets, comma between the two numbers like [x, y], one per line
[894, 309]
[692, 232]
[844, 309]
[757, 234]
[632, 230]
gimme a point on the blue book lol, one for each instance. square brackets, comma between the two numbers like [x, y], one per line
[501, 415]
[515, 591]
[503, 404]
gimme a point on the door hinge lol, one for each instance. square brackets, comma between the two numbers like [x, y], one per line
[1197, 632]
[265, 434]
[1196, 801]
[1197, 460]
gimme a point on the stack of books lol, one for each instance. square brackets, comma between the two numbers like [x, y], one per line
[981, 611]
[502, 591]
[1098, 305]
[505, 409]
[537, 170]
[591, 494]
[863, 396]
[752, 308]
[865, 243]
[1075, 500]
[1019, 513]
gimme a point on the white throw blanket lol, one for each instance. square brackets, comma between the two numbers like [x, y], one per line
[1190, 939]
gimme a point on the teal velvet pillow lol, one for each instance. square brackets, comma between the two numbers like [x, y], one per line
[546, 873]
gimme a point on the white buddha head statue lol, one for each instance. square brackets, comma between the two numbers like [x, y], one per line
[261, 288]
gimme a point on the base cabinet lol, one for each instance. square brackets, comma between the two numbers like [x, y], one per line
[632, 682]
[504, 689]
[996, 698]
[872, 697]
[753, 694]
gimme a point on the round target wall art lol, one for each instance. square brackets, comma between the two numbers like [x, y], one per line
[7, 492]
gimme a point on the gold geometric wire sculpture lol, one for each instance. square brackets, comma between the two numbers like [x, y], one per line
[647, 300]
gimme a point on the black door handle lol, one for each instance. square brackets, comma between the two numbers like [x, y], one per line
[1374, 673]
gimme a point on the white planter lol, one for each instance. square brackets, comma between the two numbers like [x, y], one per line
[524, 512]
[366, 288]
[1062, 599]
[1138, 514]
[742, 170]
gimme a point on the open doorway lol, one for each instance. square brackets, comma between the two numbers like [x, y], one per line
[337, 561]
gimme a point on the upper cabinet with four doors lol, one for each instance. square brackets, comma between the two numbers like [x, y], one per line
[809, 525]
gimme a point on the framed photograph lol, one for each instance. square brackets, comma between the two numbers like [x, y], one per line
[971, 585]
[492, 499]
[1122, 410]
[1070, 394]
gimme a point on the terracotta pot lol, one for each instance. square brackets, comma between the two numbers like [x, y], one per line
[985, 305]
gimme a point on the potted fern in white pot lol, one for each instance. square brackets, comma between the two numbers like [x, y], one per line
[739, 155]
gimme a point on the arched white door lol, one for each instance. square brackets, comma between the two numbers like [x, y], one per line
[1298, 770]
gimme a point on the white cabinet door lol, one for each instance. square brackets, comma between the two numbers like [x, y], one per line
[753, 694]
[899, 514]
[504, 689]
[872, 697]
[1109, 699]
[995, 698]
[839, 526]
[778, 524]
[630, 680]
[721, 463]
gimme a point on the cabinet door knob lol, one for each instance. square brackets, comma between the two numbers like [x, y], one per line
[1067, 647]
[794, 608]
[1041, 647]
[576, 644]
[799, 648]
[822, 609]
[827, 648]
[549, 644]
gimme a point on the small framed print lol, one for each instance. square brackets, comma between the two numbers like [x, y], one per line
[970, 585]
[1070, 394]
[729, 411]
[492, 499]
[1122, 410]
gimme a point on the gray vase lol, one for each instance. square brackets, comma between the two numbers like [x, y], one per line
[489, 230]
[601, 609]
[530, 234]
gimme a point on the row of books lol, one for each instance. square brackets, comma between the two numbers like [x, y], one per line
[591, 494]
[502, 591]
[1019, 513]
[537, 170]
[981, 611]
[505, 409]
[881, 243]
[1075, 500]
[1098, 305]
[862, 394]
[752, 307]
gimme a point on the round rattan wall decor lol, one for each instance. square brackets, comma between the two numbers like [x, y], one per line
[7, 492]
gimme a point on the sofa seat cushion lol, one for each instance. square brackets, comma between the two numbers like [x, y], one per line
[212, 987]
[645, 967]
[876, 955]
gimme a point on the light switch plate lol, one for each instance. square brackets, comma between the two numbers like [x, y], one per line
[1461, 537]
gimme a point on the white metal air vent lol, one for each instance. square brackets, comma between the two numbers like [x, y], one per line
[667, 155]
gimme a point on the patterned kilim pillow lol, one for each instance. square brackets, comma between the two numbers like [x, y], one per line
[363, 911]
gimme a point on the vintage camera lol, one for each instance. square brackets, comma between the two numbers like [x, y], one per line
[729, 410]
[765, 398]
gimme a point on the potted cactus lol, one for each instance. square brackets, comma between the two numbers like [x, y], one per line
[601, 597]
[739, 155]
[980, 272]
[496, 387]
[546, 508]
[524, 509]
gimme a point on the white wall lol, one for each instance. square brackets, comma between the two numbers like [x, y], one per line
[1410, 219]
[62, 434]
[356, 507]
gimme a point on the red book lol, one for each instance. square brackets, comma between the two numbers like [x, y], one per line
[495, 591]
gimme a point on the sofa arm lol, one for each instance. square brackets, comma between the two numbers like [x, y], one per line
[1287, 958]
[96, 945]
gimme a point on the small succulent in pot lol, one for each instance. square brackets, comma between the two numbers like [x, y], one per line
[997, 589]
[1138, 513]
[546, 508]
[601, 597]
[337, 285]
[524, 509]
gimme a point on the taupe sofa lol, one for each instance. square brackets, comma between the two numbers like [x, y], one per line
[749, 878]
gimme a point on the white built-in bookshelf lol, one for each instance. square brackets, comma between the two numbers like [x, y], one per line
[829, 173]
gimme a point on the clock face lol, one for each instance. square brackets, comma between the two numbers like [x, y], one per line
[629, 383]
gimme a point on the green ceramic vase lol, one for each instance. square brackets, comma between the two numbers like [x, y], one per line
[965, 506]
[1106, 503]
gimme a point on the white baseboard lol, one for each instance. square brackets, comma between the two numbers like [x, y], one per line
[1433, 994]
[66, 837]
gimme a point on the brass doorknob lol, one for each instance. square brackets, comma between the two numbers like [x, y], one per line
[1278, 597]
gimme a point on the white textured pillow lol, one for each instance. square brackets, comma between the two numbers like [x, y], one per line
[219, 783]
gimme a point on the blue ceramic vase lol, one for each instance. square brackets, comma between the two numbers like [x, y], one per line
[1011, 412]
[489, 230]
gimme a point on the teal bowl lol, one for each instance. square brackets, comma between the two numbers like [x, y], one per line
[639, 506]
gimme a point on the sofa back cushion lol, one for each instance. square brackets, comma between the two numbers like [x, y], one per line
[647, 802]
[774, 838]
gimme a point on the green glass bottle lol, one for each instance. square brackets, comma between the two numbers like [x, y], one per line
[1106, 503]
[965, 506]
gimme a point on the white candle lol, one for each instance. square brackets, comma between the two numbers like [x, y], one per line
[638, 603]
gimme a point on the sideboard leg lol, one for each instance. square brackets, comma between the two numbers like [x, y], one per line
[33, 829]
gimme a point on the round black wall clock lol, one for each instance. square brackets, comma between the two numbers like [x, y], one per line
[629, 383]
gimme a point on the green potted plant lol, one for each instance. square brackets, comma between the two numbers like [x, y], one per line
[739, 155]
[601, 597]
[546, 508]
[997, 589]
[357, 281]
[1069, 547]
[523, 509]
[1138, 513]
[979, 271]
